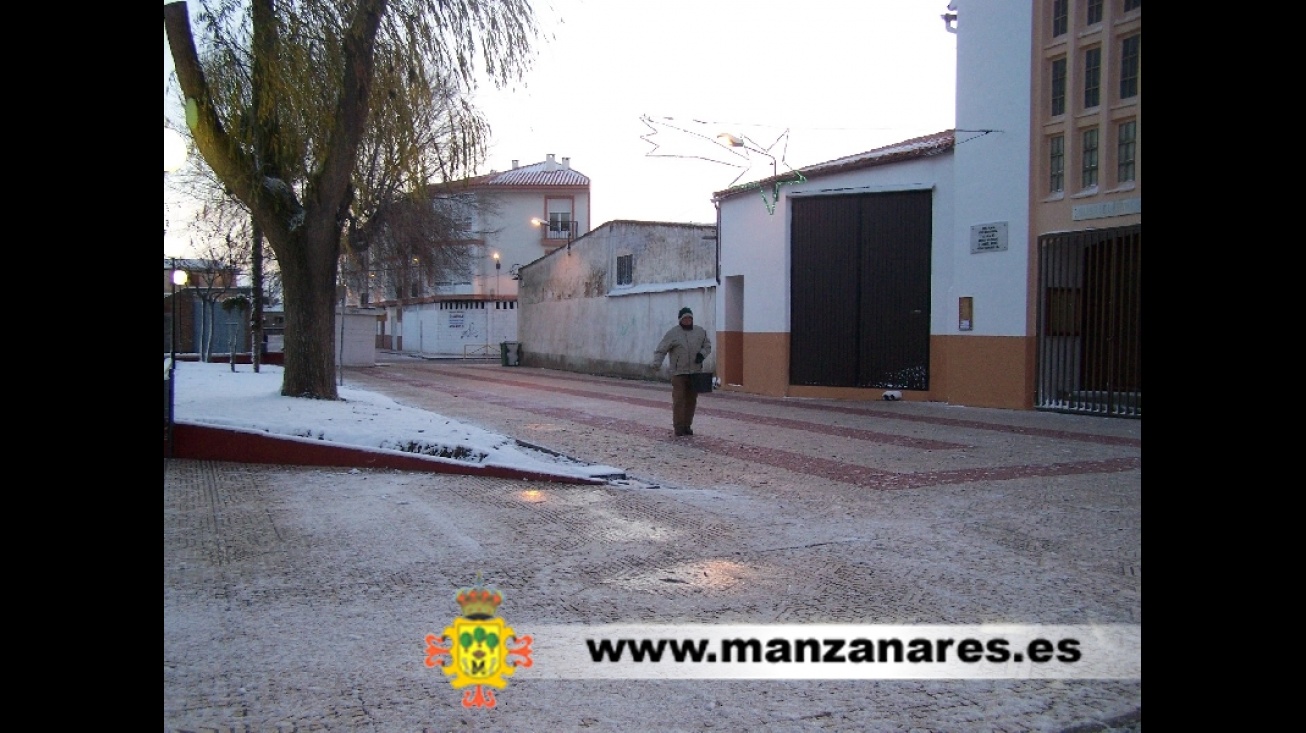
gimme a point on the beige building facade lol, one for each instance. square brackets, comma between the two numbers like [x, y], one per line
[1086, 205]
[1087, 114]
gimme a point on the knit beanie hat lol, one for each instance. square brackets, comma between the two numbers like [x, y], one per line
[684, 312]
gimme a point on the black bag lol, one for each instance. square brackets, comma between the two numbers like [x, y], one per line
[701, 381]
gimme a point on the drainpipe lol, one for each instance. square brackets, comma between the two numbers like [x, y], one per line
[716, 204]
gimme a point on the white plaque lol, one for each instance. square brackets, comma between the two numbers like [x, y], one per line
[988, 237]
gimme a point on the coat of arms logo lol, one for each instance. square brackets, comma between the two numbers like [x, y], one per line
[479, 650]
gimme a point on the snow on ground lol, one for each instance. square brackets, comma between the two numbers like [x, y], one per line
[212, 394]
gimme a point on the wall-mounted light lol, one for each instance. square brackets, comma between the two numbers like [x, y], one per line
[726, 138]
[573, 229]
[950, 18]
[730, 140]
[741, 141]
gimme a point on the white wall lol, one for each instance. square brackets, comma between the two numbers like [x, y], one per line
[468, 328]
[992, 170]
[357, 337]
[575, 317]
[755, 244]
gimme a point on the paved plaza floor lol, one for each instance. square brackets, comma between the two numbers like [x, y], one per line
[298, 599]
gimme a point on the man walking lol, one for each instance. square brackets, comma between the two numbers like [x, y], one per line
[688, 346]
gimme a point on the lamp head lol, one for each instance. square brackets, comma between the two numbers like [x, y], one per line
[174, 150]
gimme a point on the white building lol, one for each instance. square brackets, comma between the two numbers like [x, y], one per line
[828, 279]
[602, 305]
[904, 268]
[522, 214]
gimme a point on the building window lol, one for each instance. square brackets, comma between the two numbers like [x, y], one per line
[559, 225]
[625, 269]
[1130, 50]
[1125, 148]
[1133, 5]
[1058, 87]
[1060, 16]
[1094, 11]
[1057, 164]
[1092, 77]
[463, 215]
[1090, 158]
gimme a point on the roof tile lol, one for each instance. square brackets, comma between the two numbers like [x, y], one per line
[917, 147]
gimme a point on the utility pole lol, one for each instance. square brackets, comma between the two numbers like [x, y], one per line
[256, 311]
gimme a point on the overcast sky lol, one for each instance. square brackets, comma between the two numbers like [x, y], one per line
[841, 76]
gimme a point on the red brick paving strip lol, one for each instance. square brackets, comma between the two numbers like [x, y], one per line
[883, 414]
[841, 471]
[872, 436]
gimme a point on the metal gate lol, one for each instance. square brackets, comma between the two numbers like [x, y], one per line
[1090, 322]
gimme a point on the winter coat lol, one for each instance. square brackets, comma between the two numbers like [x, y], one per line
[684, 348]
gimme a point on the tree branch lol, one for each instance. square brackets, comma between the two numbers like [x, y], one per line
[330, 185]
[219, 149]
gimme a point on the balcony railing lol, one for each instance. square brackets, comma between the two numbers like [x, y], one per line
[565, 231]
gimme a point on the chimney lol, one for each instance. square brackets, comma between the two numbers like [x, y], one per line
[566, 163]
[551, 165]
[514, 165]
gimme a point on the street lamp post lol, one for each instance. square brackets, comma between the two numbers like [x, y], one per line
[497, 265]
[174, 155]
[178, 277]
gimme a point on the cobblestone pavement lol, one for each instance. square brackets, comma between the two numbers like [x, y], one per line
[297, 599]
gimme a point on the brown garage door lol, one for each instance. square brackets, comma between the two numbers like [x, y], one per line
[860, 290]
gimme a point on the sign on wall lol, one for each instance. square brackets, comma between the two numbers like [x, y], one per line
[456, 319]
[988, 237]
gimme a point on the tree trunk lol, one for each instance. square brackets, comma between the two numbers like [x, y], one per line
[310, 336]
[206, 332]
[305, 236]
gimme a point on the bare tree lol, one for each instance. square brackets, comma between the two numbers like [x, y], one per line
[214, 274]
[279, 107]
[406, 218]
[239, 304]
[220, 218]
[427, 237]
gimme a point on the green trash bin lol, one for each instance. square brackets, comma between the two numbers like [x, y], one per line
[510, 353]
